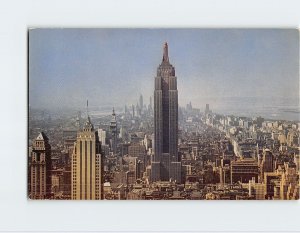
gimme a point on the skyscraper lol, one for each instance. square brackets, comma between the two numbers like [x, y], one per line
[87, 165]
[206, 108]
[102, 136]
[141, 103]
[267, 161]
[40, 166]
[114, 132]
[267, 164]
[165, 161]
[150, 108]
[138, 110]
[133, 112]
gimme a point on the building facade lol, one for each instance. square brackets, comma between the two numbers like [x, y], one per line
[244, 170]
[87, 165]
[102, 136]
[40, 166]
[165, 163]
[114, 132]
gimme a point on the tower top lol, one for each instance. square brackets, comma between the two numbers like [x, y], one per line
[88, 124]
[114, 118]
[165, 53]
[165, 68]
[87, 108]
[42, 136]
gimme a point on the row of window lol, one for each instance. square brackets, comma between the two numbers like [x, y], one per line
[39, 144]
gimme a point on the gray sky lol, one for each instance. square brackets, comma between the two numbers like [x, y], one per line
[113, 66]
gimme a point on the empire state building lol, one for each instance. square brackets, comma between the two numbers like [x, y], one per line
[165, 164]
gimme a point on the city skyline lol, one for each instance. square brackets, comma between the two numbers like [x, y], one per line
[160, 151]
[217, 66]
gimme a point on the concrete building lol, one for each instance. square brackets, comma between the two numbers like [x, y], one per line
[40, 166]
[289, 184]
[141, 103]
[207, 109]
[244, 170]
[102, 136]
[87, 165]
[136, 150]
[114, 132]
[267, 161]
[256, 190]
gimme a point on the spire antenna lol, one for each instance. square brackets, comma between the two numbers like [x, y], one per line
[165, 53]
[87, 107]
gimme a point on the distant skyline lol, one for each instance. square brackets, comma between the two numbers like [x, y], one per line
[111, 67]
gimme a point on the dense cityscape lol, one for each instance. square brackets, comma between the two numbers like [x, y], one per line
[158, 150]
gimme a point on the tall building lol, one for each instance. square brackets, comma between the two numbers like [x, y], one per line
[102, 136]
[141, 103]
[206, 108]
[125, 109]
[114, 132]
[133, 111]
[289, 184]
[138, 110]
[150, 108]
[40, 166]
[139, 151]
[69, 137]
[268, 161]
[165, 162]
[87, 165]
[78, 120]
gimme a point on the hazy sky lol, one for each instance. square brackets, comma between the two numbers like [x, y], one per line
[113, 66]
